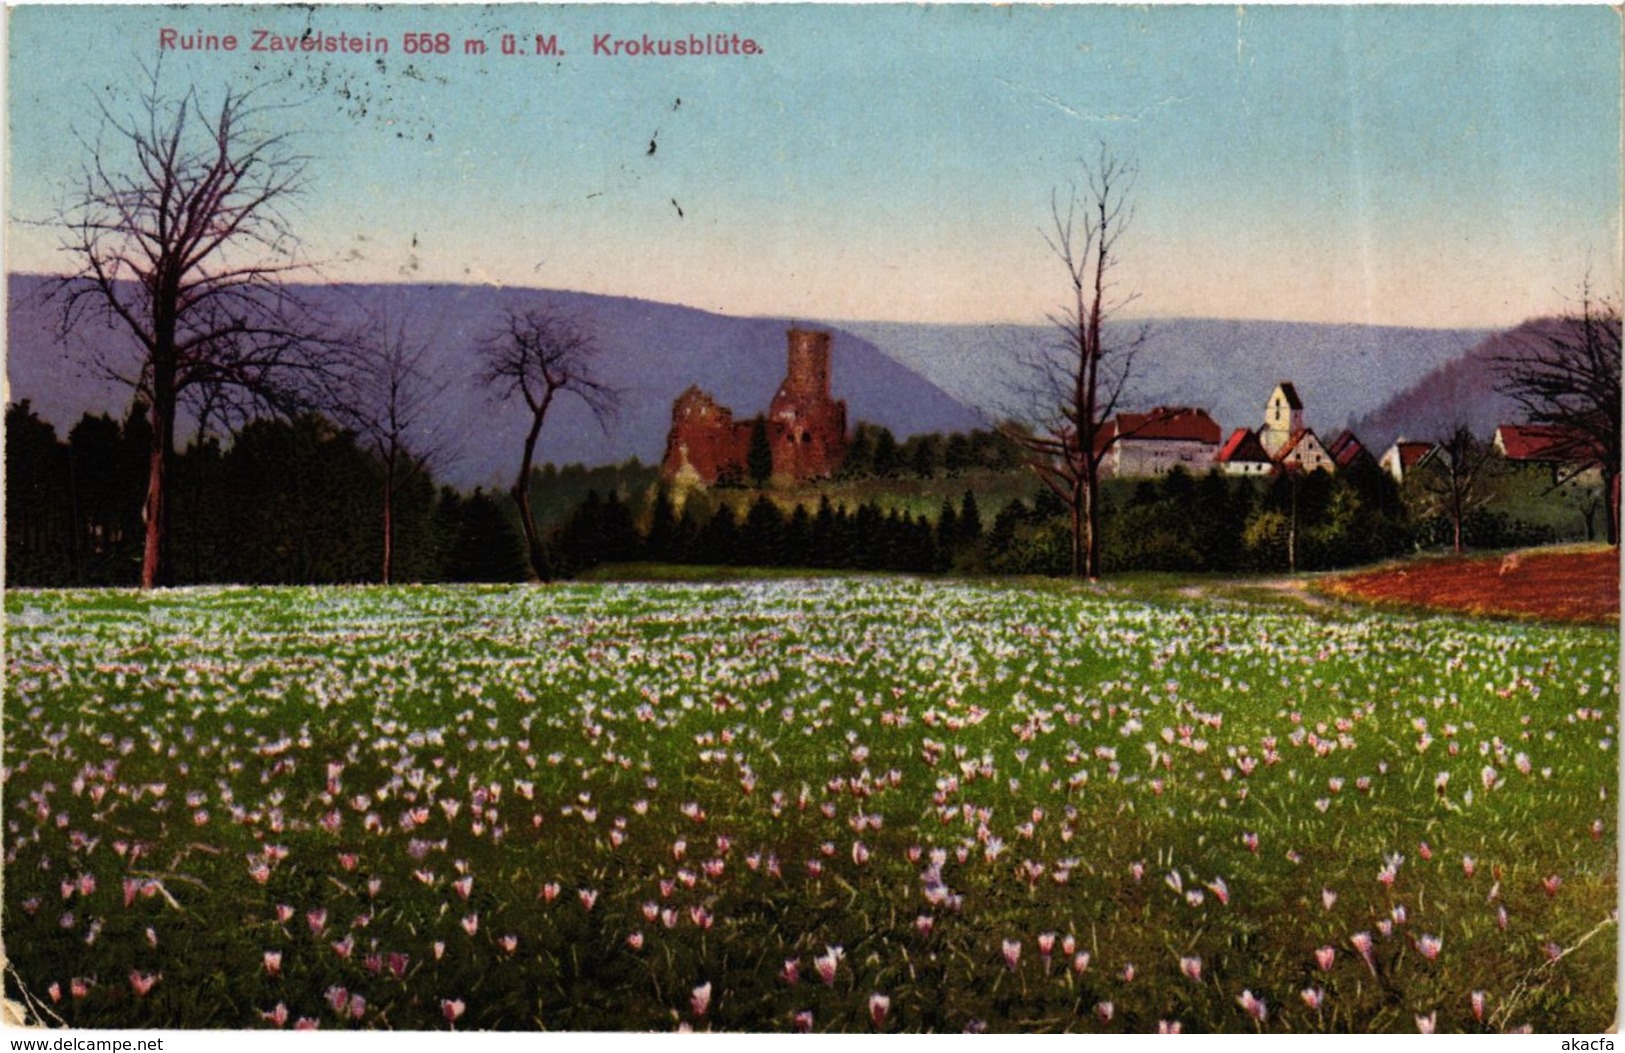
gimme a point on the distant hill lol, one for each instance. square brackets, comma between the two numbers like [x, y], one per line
[1343, 372]
[909, 377]
[1461, 391]
[653, 352]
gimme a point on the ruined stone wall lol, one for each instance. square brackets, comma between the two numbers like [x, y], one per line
[806, 428]
[705, 442]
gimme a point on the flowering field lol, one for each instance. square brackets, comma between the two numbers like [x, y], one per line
[835, 805]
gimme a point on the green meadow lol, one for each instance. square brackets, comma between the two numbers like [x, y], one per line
[833, 804]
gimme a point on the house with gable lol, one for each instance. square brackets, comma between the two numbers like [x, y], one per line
[1347, 451]
[1405, 457]
[1304, 453]
[1243, 454]
[1156, 442]
[1565, 454]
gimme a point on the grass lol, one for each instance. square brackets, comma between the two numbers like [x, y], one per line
[663, 805]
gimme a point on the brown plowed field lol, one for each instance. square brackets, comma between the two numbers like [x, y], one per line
[1564, 585]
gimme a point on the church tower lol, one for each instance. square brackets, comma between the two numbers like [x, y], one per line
[1283, 418]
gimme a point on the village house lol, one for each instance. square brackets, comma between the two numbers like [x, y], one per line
[1347, 451]
[1155, 443]
[1405, 456]
[1567, 456]
[1243, 454]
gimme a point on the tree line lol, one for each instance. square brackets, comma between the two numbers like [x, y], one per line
[291, 501]
[298, 501]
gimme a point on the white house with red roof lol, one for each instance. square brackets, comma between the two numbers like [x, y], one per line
[1156, 442]
[1243, 454]
[1405, 456]
[1569, 455]
[1304, 453]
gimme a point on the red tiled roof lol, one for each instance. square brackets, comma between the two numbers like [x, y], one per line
[1544, 442]
[1345, 449]
[1175, 423]
[1243, 446]
[1412, 452]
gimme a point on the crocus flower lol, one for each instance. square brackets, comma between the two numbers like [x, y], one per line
[1012, 954]
[879, 1006]
[1192, 968]
[699, 1001]
[452, 1009]
[143, 982]
[1254, 1006]
[1361, 942]
[1312, 997]
[826, 964]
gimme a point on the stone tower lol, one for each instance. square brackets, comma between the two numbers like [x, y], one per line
[806, 427]
[807, 376]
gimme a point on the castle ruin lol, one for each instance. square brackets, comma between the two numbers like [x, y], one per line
[805, 426]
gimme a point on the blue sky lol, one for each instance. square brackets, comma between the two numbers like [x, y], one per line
[1420, 166]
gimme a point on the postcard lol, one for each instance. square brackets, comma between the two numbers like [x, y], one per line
[828, 519]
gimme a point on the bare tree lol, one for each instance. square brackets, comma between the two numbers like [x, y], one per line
[387, 395]
[1455, 478]
[539, 353]
[1074, 385]
[179, 234]
[1571, 381]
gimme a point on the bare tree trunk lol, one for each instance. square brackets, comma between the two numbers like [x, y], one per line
[1091, 505]
[389, 518]
[1076, 566]
[1292, 531]
[1611, 485]
[154, 568]
[535, 547]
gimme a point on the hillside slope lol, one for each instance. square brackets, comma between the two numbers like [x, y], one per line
[653, 351]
